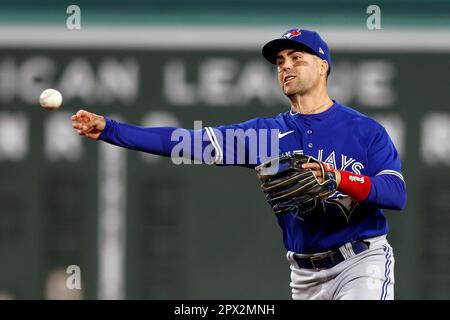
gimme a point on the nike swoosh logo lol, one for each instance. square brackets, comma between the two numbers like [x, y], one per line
[281, 135]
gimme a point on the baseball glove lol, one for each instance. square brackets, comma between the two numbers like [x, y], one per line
[288, 187]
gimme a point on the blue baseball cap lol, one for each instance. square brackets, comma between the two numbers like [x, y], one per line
[298, 39]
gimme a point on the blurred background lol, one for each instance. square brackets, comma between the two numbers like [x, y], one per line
[139, 227]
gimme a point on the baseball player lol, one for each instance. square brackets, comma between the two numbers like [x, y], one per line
[341, 251]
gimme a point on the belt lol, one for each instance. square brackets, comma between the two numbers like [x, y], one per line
[328, 259]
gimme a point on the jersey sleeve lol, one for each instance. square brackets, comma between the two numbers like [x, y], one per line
[383, 158]
[182, 145]
[388, 189]
[243, 144]
[246, 144]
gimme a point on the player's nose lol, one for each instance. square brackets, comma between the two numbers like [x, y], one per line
[284, 67]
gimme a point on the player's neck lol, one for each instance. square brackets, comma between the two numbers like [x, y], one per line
[310, 104]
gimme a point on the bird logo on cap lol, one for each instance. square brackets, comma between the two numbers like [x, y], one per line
[291, 33]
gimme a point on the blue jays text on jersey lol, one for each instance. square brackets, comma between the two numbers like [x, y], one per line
[339, 136]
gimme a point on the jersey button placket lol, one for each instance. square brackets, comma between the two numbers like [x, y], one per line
[310, 144]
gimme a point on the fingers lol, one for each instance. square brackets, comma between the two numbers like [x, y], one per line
[312, 165]
[83, 121]
[80, 125]
[92, 135]
[317, 170]
[91, 125]
[88, 124]
[77, 125]
[82, 116]
[84, 127]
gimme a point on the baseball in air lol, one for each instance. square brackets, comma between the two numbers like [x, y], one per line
[50, 99]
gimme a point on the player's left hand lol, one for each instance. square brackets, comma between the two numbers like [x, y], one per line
[289, 186]
[318, 172]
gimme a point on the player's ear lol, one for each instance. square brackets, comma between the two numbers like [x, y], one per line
[324, 67]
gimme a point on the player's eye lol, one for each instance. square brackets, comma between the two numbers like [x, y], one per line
[280, 66]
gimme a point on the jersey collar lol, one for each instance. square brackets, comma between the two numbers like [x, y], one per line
[320, 115]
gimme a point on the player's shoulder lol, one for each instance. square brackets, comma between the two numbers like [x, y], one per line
[358, 119]
[268, 121]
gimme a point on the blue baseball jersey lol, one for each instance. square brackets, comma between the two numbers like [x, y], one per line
[347, 140]
[340, 136]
